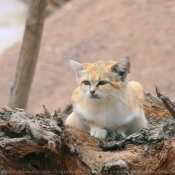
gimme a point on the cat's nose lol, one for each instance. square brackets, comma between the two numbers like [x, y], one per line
[92, 91]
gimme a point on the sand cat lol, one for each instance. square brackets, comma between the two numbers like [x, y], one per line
[106, 100]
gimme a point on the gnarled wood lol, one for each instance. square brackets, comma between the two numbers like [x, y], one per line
[43, 144]
[154, 107]
[168, 103]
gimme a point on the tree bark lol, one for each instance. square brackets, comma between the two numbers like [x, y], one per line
[43, 144]
[29, 53]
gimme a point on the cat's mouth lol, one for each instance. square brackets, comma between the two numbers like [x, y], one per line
[94, 97]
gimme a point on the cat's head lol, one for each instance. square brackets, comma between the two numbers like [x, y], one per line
[102, 79]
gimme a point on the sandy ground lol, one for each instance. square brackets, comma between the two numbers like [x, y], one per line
[90, 30]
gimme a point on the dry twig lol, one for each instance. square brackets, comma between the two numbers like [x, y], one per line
[168, 103]
[47, 113]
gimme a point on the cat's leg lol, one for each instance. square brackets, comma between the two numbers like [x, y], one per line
[77, 122]
[97, 131]
[137, 124]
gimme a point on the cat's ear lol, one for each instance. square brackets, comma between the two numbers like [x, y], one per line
[78, 68]
[122, 68]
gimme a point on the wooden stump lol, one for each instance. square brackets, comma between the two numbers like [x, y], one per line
[43, 144]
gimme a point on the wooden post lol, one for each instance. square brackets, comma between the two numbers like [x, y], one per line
[29, 53]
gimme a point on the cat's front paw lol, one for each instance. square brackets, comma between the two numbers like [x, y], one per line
[98, 133]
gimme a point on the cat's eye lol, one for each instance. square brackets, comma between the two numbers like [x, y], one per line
[101, 83]
[87, 82]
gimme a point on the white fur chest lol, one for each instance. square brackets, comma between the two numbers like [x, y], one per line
[108, 115]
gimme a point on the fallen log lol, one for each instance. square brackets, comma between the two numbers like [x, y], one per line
[43, 144]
